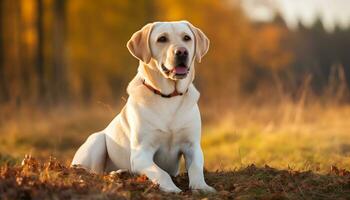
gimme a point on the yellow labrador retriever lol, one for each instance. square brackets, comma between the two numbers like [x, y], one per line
[160, 121]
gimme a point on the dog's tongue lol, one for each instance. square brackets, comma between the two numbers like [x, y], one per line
[180, 70]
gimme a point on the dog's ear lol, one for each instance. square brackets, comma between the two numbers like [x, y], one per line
[138, 44]
[202, 42]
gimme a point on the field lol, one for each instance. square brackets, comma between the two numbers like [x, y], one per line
[287, 151]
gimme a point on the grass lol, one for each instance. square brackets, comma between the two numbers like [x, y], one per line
[265, 152]
[319, 139]
[281, 149]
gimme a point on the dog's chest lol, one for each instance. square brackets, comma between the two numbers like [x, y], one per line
[171, 123]
[172, 117]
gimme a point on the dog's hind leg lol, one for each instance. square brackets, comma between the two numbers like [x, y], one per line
[92, 154]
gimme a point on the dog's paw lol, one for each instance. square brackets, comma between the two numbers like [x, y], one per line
[202, 188]
[171, 189]
[118, 172]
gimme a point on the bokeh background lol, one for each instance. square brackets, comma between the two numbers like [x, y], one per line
[274, 85]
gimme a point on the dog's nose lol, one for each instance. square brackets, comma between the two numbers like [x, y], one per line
[181, 52]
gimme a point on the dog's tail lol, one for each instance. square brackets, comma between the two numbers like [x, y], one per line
[92, 154]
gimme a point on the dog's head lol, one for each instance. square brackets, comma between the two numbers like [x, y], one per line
[173, 46]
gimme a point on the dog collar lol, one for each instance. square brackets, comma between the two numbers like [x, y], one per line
[155, 91]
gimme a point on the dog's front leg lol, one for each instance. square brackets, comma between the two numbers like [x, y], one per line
[142, 163]
[194, 165]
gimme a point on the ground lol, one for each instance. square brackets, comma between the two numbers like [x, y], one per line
[284, 152]
[52, 180]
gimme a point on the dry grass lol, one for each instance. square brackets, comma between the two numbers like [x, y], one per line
[315, 140]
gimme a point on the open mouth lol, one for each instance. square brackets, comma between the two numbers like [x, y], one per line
[178, 71]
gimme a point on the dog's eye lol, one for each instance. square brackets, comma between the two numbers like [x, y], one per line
[162, 39]
[187, 38]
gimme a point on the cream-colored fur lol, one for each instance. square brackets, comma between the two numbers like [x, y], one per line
[151, 133]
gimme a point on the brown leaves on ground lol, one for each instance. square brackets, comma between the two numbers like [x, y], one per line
[52, 180]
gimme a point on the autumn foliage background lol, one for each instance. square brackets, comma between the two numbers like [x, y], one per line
[269, 94]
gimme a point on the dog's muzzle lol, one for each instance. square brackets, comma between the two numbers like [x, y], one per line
[180, 68]
[178, 72]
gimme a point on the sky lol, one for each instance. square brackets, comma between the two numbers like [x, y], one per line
[332, 12]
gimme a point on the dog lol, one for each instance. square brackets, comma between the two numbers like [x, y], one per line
[161, 121]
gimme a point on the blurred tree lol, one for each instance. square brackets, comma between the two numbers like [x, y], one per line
[12, 55]
[59, 82]
[27, 42]
[40, 51]
[3, 88]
